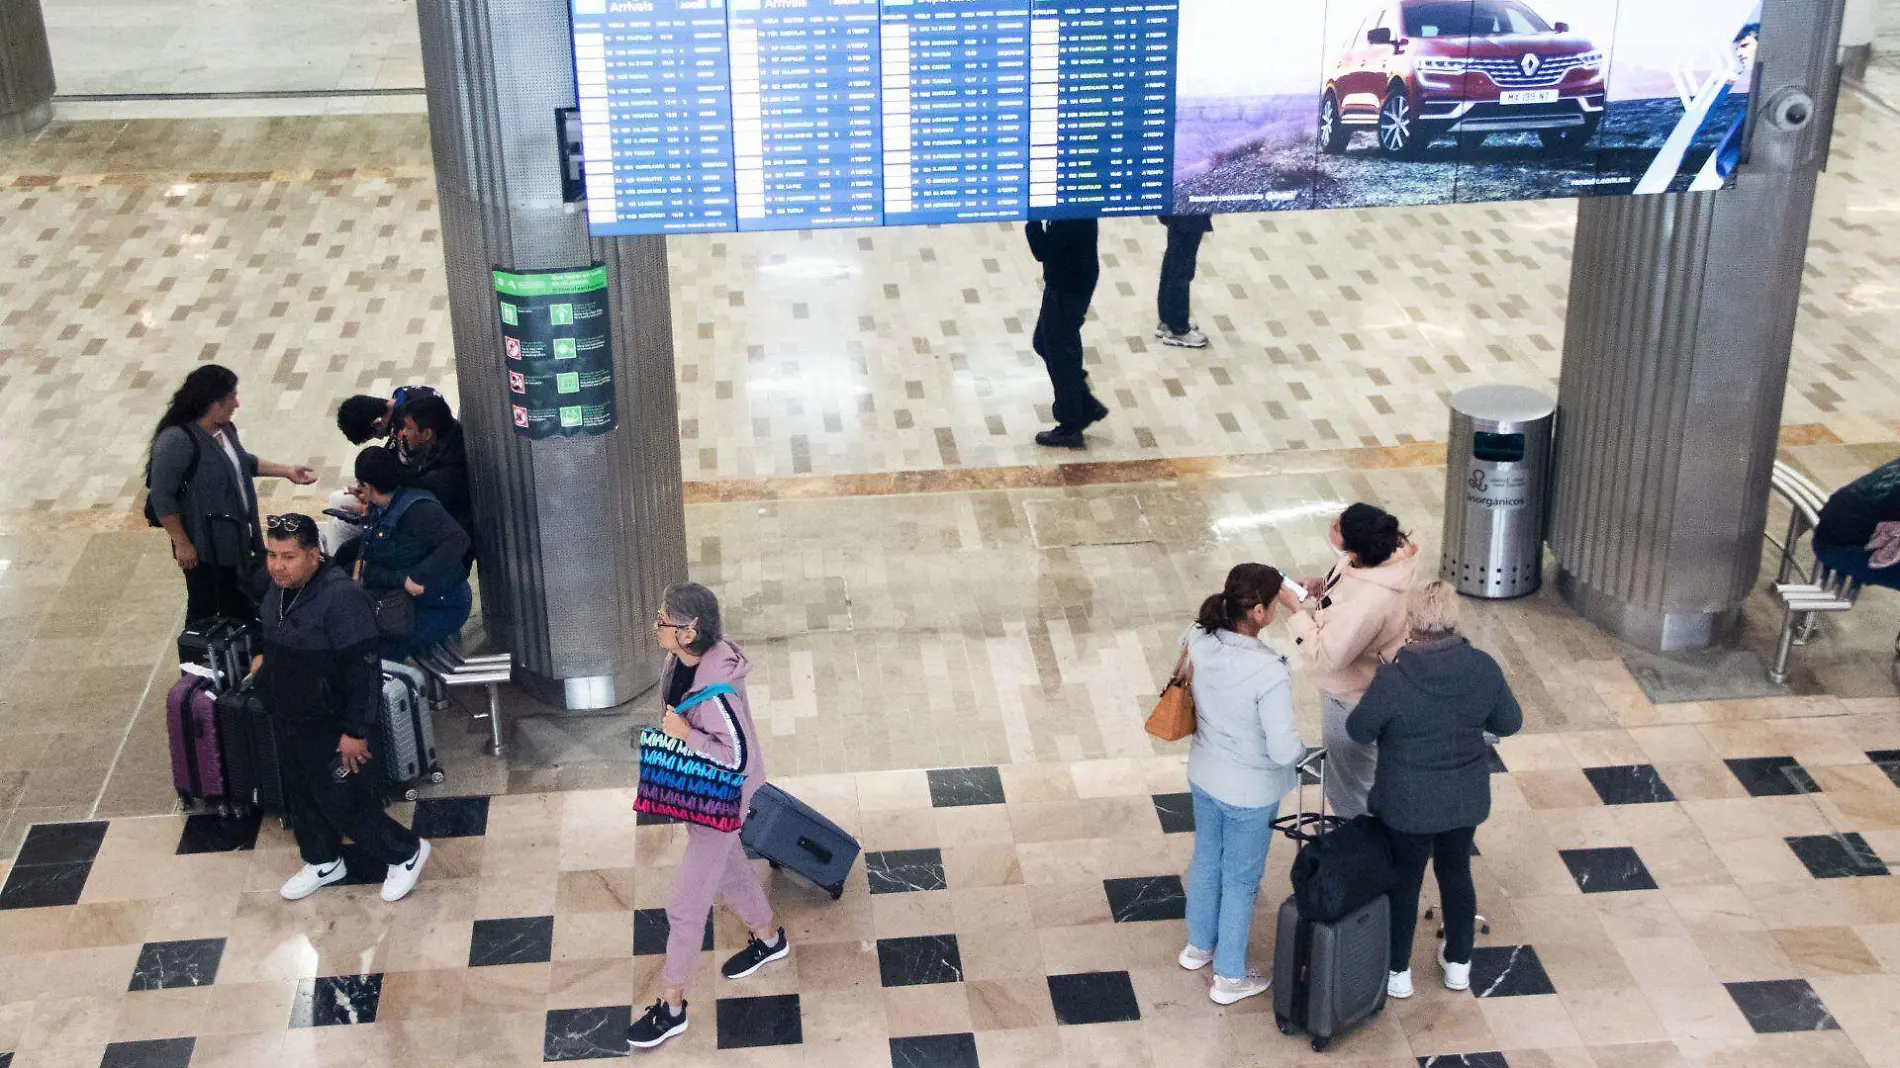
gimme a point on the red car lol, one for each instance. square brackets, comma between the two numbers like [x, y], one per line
[1417, 70]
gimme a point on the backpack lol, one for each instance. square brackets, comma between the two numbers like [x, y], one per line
[151, 516]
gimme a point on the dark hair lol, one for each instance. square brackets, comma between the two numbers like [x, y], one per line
[202, 388]
[357, 416]
[1370, 533]
[1752, 29]
[378, 468]
[690, 601]
[292, 526]
[429, 412]
[1248, 585]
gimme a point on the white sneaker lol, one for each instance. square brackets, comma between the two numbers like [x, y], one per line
[1194, 959]
[1228, 991]
[402, 877]
[1457, 976]
[312, 878]
[1398, 984]
[1191, 338]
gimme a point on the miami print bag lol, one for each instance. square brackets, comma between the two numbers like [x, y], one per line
[684, 785]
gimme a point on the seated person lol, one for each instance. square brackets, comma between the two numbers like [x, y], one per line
[411, 543]
[361, 418]
[1848, 521]
[436, 457]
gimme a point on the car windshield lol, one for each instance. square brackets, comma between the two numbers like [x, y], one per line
[1471, 18]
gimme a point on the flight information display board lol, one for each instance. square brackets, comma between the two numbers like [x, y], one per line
[739, 115]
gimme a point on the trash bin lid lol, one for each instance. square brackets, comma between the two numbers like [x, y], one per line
[1503, 404]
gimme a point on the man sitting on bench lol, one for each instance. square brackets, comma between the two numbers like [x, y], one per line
[1849, 521]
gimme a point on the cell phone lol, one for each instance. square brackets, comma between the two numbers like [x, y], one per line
[354, 518]
[1298, 591]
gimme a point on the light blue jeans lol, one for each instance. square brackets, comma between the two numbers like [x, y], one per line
[1230, 855]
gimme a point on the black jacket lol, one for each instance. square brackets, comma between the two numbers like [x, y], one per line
[424, 543]
[1066, 249]
[1851, 514]
[442, 469]
[1428, 709]
[320, 664]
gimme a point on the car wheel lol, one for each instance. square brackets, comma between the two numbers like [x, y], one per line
[1333, 134]
[1399, 130]
[1570, 139]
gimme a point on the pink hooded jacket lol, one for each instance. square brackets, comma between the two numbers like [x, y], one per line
[721, 729]
[1342, 644]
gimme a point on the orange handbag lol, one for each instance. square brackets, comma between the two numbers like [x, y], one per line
[1173, 717]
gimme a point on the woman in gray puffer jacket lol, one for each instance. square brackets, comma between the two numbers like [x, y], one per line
[1241, 763]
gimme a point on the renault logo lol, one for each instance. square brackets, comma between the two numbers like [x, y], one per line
[1529, 65]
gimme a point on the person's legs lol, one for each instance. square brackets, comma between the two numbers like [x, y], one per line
[1059, 342]
[739, 888]
[701, 873]
[1457, 898]
[305, 757]
[1349, 765]
[201, 592]
[1409, 853]
[1204, 872]
[1245, 836]
[1172, 300]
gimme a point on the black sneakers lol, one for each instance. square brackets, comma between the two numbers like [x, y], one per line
[1070, 437]
[658, 1025]
[755, 955]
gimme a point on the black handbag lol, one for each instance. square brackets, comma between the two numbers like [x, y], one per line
[1342, 863]
[395, 613]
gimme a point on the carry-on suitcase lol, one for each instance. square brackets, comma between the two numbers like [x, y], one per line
[1327, 976]
[223, 644]
[406, 725]
[791, 834]
[253, 773]
[191, 724]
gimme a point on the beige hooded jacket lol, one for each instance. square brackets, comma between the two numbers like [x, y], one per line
[1341, 644]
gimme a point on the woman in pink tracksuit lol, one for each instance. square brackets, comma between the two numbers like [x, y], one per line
[719, 728]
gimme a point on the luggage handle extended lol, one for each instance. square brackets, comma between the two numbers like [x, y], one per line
[1304, 826]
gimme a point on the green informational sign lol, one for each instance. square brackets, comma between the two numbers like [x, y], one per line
[556, 344]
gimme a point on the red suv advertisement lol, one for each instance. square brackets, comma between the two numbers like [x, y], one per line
[1414, 71]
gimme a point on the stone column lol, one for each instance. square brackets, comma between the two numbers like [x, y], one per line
[1676, 345]
[578, 535]
[1857, 38]
[26, 69]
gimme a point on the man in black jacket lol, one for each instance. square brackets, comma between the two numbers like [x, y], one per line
[1070, 268]
[437, 456]
[321, 682]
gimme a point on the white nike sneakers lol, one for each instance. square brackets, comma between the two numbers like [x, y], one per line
[402, 877]
[312, 878]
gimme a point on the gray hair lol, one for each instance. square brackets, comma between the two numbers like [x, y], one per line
[1432, 608]
[689, 602]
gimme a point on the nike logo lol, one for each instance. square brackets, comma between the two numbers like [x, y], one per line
[411, 866]
[325, 873]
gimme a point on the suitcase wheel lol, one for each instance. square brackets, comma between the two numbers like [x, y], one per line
[836, 892]
[437, 775]
[1281, 1022]
[775, 864]
[409, 794]
[1320, 1044]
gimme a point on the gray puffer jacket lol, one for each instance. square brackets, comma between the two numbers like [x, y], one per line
[1246, 745]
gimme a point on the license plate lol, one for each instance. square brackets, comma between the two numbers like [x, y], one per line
[1528, 96]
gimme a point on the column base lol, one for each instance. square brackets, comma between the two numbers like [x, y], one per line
[21, 123]
[594, 693]
[1658, 632]
[1854, 62]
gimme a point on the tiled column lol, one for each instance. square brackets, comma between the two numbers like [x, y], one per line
[1681, 321]
[26, 68]
[578, 535]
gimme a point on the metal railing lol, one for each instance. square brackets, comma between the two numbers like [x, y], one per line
[1819, 588]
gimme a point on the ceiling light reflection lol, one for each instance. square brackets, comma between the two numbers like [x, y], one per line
[1237, 524]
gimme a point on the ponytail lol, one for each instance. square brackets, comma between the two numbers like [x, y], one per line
[1248, 586]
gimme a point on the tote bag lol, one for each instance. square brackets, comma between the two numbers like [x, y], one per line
[683, 785]
[1173, 715]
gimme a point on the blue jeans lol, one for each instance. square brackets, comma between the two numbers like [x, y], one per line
[1230, 855]
[435, 621]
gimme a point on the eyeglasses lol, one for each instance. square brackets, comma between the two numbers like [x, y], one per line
[660, 623]
[289, 523]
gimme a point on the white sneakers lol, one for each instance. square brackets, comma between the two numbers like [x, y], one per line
[1192, 338]
[1194, 959]
[402, 877]
[1457, 976]
[1398, 984]
[1228, 991]
[312, 878]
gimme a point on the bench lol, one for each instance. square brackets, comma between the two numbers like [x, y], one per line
[449, 668]
[1803, 591]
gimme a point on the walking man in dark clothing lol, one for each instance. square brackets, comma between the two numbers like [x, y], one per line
[321, 682]
[1070, 268]
[1176, 326]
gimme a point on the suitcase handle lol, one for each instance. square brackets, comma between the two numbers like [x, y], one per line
[816, 850]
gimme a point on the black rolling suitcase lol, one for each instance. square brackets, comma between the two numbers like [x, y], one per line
[1329, 973]
[791, 834]
[253, 772]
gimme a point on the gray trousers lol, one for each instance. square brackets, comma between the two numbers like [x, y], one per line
[1349, 765]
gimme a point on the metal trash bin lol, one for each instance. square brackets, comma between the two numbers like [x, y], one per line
[1497, 489]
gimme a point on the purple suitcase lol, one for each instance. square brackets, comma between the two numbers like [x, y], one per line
[191, 719]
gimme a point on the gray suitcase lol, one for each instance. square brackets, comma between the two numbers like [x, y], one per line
[407, 724]
[791, 834]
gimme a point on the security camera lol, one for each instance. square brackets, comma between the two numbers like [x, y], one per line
[1790, 109]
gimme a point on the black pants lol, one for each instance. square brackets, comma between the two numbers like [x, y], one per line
[1177, 275]
[1450, 854]
[216, 591]
[1058, 340]
[325, 807]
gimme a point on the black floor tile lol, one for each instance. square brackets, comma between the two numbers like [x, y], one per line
[651, 928]
[451, 817]
[919, 961]
[956, 787]
[768, 1021]
[1629, 784]
[524, 940]
[900, 871]
[1830, 856]
[1094, 997]
[1776, 776]
[35, 886]
[61, 843]
[166, 965]
[934, 1051]
[1779, 1005]
[1465, 1060]
[1602, 871]
[588, 1034]
[1888, 761]
[1176, 812]
[334, 1000]
[208, 832]
[154, 1053]
[1508, 971]
[1148, 897]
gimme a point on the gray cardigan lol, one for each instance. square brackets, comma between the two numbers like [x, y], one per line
[1428, 709]
[1245, 744]
[214, 490]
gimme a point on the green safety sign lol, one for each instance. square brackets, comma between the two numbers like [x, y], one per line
[556, 342]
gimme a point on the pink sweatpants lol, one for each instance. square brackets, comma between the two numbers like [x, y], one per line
[715, 864]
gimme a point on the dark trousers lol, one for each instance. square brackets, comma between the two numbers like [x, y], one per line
[325, 807]
[1058, 340]
[1177, 276]
[216, 591]
[1450, 854]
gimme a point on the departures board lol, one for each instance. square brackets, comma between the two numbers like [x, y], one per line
[739, 115]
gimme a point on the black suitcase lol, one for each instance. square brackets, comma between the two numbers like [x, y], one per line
[253, 773]
[791, 834]
[223, 644]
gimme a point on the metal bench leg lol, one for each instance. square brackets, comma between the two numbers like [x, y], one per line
[495, 747]
[1779, 673]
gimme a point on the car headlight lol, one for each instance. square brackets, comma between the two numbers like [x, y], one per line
[1432, 65]
[1590, 59]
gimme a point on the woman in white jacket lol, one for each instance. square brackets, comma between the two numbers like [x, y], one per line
[1241, 763]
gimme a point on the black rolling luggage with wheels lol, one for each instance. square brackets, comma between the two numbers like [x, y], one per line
[253, 772]
[791, 834]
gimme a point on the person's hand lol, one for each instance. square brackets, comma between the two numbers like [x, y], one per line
[414, 587]
[185, 553]
[1315, 587]
[357, 492]
[1287, 601]
[302, 475]
[354, 751]
[675, 725]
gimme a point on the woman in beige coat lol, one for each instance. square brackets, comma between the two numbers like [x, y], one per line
[1354, 618]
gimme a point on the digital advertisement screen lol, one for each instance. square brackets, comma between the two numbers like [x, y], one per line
[738, 115]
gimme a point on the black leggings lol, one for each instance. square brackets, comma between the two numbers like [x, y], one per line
[211, 590]
[1450, 854]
